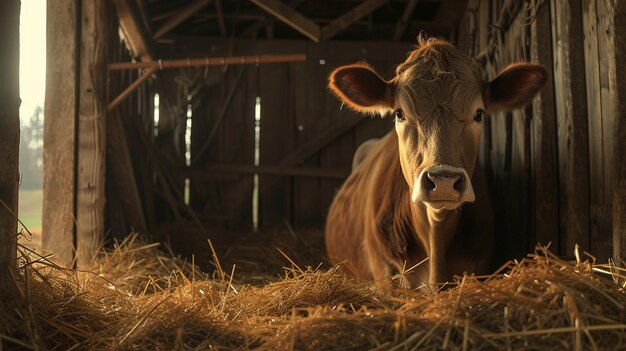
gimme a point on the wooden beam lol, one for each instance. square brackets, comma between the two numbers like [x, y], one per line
[92, 94]
[180, 17]
[404, 20]
[347, 19]
[315, 145]
[291, 17]
[59, 160]
[211, 171]
[135, 32]
[9, 135]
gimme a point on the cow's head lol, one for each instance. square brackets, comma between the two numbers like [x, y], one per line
[439, 101]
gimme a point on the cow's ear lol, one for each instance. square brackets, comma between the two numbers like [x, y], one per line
[515, 86]
[359, 87]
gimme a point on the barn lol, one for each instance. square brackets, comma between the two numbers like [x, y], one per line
[206, 127]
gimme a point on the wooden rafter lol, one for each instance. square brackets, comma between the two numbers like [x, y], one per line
[350, 17]
[135, 32]
[291, 17]
[180, 16]
[404, 20]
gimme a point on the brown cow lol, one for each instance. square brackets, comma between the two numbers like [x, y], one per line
[420, 193]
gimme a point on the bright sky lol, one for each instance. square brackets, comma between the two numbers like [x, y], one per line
[32, 56]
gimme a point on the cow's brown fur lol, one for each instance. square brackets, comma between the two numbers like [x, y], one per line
[373, 227]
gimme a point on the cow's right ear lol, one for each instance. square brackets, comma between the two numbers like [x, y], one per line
[361, 88]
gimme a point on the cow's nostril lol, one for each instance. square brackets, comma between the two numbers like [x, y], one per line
[459, 185]
[427, 183]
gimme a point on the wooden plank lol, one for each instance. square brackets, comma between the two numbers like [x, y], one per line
[599, 175]
[9, 135]
[276, 141]
[181, 16]
[616, 14]
[134, 30]
[315, 145]
[573, 147]
[211, 171]
[544, 186]
[607, 57]
[237, 143]
[186, 47]
[291, 17]
[404, 20]
[309, 121]
[123, 174]
[346, 20]
[59, 130]
[91, 131]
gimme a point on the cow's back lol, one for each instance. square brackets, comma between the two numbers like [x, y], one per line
[353, 217]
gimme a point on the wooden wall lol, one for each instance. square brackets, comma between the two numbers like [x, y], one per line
[552, 165]
[306, 139]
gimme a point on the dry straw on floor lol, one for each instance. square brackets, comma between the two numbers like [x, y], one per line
[137, 298]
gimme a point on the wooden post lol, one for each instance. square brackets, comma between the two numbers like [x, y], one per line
[74, 138]
[9, 132]
[60, 130]
[91, 130]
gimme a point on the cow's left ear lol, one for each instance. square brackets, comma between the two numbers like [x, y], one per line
[515, 86]
[361, 88]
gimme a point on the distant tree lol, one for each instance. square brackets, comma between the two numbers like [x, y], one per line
[31, 151]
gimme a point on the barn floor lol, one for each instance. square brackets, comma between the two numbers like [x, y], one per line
[136, 297]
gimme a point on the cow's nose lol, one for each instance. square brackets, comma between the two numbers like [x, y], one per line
[443, 183]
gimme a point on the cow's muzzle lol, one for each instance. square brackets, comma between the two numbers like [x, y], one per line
[443, 187]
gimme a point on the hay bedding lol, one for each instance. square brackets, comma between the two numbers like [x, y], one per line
[138, 298]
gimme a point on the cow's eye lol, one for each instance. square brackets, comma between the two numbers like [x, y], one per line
[478, 117]
[399, 115]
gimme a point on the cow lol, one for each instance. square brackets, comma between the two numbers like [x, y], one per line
[419, 196]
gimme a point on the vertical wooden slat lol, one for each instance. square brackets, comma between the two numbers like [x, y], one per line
[309, 120]
[596, 64]
[60, 130]
[543, 159]
[571, 107]
[91, 130]
[276, 140]
[238, 144]
[614, 15]
[9, 132]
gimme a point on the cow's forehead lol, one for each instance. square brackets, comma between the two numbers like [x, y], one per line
[437, 77]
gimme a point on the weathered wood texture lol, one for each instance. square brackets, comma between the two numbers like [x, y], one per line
[304, 129]
[9, 133]
[555, 167]
[59, 159]
[92, 95]
[614, 16]
[573, 135]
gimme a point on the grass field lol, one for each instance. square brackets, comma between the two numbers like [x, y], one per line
[29, 209]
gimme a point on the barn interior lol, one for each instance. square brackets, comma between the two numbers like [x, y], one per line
[207, 126]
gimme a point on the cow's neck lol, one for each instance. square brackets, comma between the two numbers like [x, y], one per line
[437, 228]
